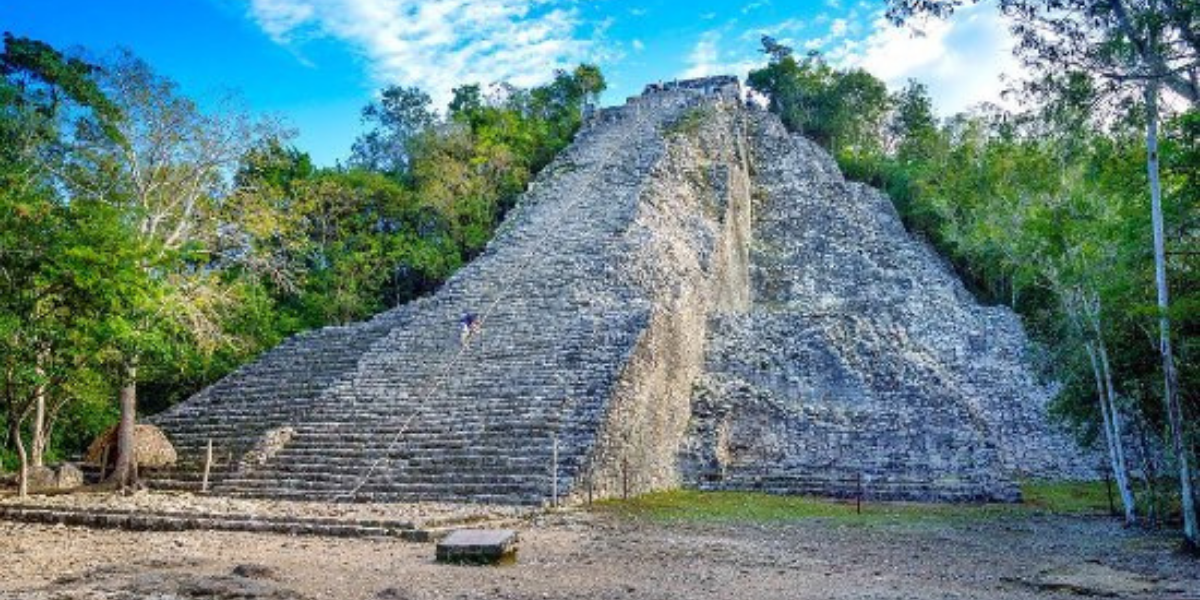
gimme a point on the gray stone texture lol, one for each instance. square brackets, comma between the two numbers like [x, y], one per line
[478, 546]
[863, 365]
[687, 294]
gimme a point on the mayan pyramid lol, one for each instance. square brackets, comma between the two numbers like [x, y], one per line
[687, 295]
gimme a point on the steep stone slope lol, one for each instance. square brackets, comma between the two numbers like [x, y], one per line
[863, 365]
[686, 294]
[594, 298]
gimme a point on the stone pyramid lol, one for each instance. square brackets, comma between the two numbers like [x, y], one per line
[687, 295]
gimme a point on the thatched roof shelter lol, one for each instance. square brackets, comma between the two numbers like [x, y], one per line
[151, 447]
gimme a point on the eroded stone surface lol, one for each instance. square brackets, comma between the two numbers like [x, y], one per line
[686, 294]
[863, 367]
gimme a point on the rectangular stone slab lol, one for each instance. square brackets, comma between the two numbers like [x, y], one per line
[478, 546]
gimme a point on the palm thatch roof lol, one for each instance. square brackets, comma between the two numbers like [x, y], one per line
[151, 447]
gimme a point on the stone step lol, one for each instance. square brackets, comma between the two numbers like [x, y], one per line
[168, 521]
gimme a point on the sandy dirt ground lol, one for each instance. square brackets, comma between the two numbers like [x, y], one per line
[604, 556]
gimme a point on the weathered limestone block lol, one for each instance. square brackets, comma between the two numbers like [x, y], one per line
[68, 476]
[478, 546]
[40, 479]
[272, 442]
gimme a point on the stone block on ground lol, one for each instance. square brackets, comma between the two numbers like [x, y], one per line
[478, 546]
[68, 476]
[40, 479]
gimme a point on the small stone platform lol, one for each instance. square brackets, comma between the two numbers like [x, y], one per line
[416, 522]
[478, 547]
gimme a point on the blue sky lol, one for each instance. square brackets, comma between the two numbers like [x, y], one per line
[317, 62]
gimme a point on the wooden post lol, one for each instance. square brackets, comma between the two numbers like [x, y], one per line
[104, 461]
[1112, 506]
[207, 467]
[554, 474]
[858, 499]
[625, 477]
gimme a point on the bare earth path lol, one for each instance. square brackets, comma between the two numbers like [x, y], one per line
[594, 556]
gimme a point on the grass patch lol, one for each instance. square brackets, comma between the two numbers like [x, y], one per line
[692, 505]
[1066, 498]
[697, 506]
[688, 123]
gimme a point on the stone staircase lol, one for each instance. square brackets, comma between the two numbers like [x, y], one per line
[396, 409]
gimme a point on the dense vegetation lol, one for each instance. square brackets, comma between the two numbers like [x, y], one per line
[147, 246]
[1047, 210]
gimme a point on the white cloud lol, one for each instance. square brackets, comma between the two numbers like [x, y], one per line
[838, 28]
[707, 59]
[781, 31]
[839, 32]
[703, 59]
[755, 6]
[637, 45]
[961, 59]
[437, 44]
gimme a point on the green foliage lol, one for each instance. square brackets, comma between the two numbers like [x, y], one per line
[691, 505]
[689, 123]
[1068, 497]
[399, 116]
[66, 267]
[841, 110]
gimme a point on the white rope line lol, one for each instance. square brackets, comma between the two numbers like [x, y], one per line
[440, 380]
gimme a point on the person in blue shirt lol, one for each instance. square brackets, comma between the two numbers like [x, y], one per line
[469, 325]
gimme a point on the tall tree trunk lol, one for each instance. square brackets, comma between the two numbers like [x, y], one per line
[40, 438]
[37, 446]
[1112, 435]
[1118, 430]
[1170, 391]
[125, 471]
[23, 457]
[13, 430]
